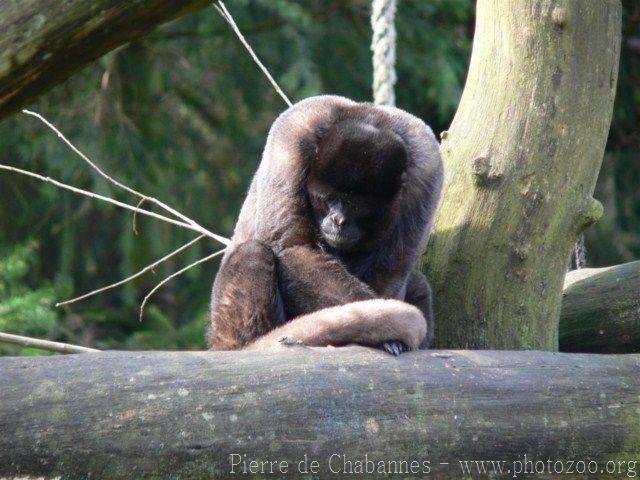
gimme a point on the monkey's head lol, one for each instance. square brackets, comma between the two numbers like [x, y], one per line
[354, 184]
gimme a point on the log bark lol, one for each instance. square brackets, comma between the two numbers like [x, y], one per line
[43, 42]
[601, 310]
[181, 415]
[521, 158]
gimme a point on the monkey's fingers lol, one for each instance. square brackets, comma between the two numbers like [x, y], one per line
[395, 347]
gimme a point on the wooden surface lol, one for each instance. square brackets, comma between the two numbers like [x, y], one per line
[181, 415]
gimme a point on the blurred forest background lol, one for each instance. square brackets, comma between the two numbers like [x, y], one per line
[183, 114]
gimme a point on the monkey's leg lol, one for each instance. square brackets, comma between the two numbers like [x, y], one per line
[419, 294]
[311, 280]
[245, 302]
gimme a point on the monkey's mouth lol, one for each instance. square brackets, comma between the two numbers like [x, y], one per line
[340, 241]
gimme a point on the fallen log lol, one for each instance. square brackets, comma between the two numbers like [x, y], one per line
[210, 414]
[601, 310]
[44, 42]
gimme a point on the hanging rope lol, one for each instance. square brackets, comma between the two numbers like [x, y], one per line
[383, 45]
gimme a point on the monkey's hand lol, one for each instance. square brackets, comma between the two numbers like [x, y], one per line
[395, 348]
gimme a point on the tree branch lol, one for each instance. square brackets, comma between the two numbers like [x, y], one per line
[134, 276]
[43, 344]
[224, 13]
[96, 196]
[126, 188]
[173, 275]
[44, 42]
[601, 310]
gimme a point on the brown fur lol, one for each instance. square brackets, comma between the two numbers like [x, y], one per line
[368, 322]
[281, 279]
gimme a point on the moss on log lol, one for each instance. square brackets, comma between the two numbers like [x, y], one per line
[43, 42]
[521, 159]
[181, 415]
[601, 310]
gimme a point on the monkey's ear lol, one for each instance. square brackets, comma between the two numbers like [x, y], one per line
[403, 177]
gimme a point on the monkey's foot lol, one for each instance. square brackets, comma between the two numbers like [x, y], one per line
[395, 348]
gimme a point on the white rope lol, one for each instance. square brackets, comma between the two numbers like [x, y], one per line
[383, 45]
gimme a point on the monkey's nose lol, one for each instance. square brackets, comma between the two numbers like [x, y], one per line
[339, 219]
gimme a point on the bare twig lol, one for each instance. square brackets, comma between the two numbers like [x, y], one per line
[44, 344]
[222, 9]
[157, 202]
[135, 275]
[134, 221]
[114, 202]
[173, 275]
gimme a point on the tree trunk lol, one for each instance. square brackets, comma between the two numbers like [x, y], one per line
[43, 42]
[521, 158]
[181, 415]
[601, 310]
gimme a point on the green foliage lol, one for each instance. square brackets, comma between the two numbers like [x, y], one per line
[24, 310]
[183, 115]
[159, 332]
[616, 238]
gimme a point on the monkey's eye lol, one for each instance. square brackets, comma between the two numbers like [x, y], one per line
[317, 198]
[369, 219]
[319, 203]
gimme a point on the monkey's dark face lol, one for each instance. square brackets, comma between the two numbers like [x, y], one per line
[354, 183]
[347, 221]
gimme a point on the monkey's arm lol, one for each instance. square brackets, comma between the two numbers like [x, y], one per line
[311, 280]
[254, 288]
[245, 302]
[419, 294]
[368, 322]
